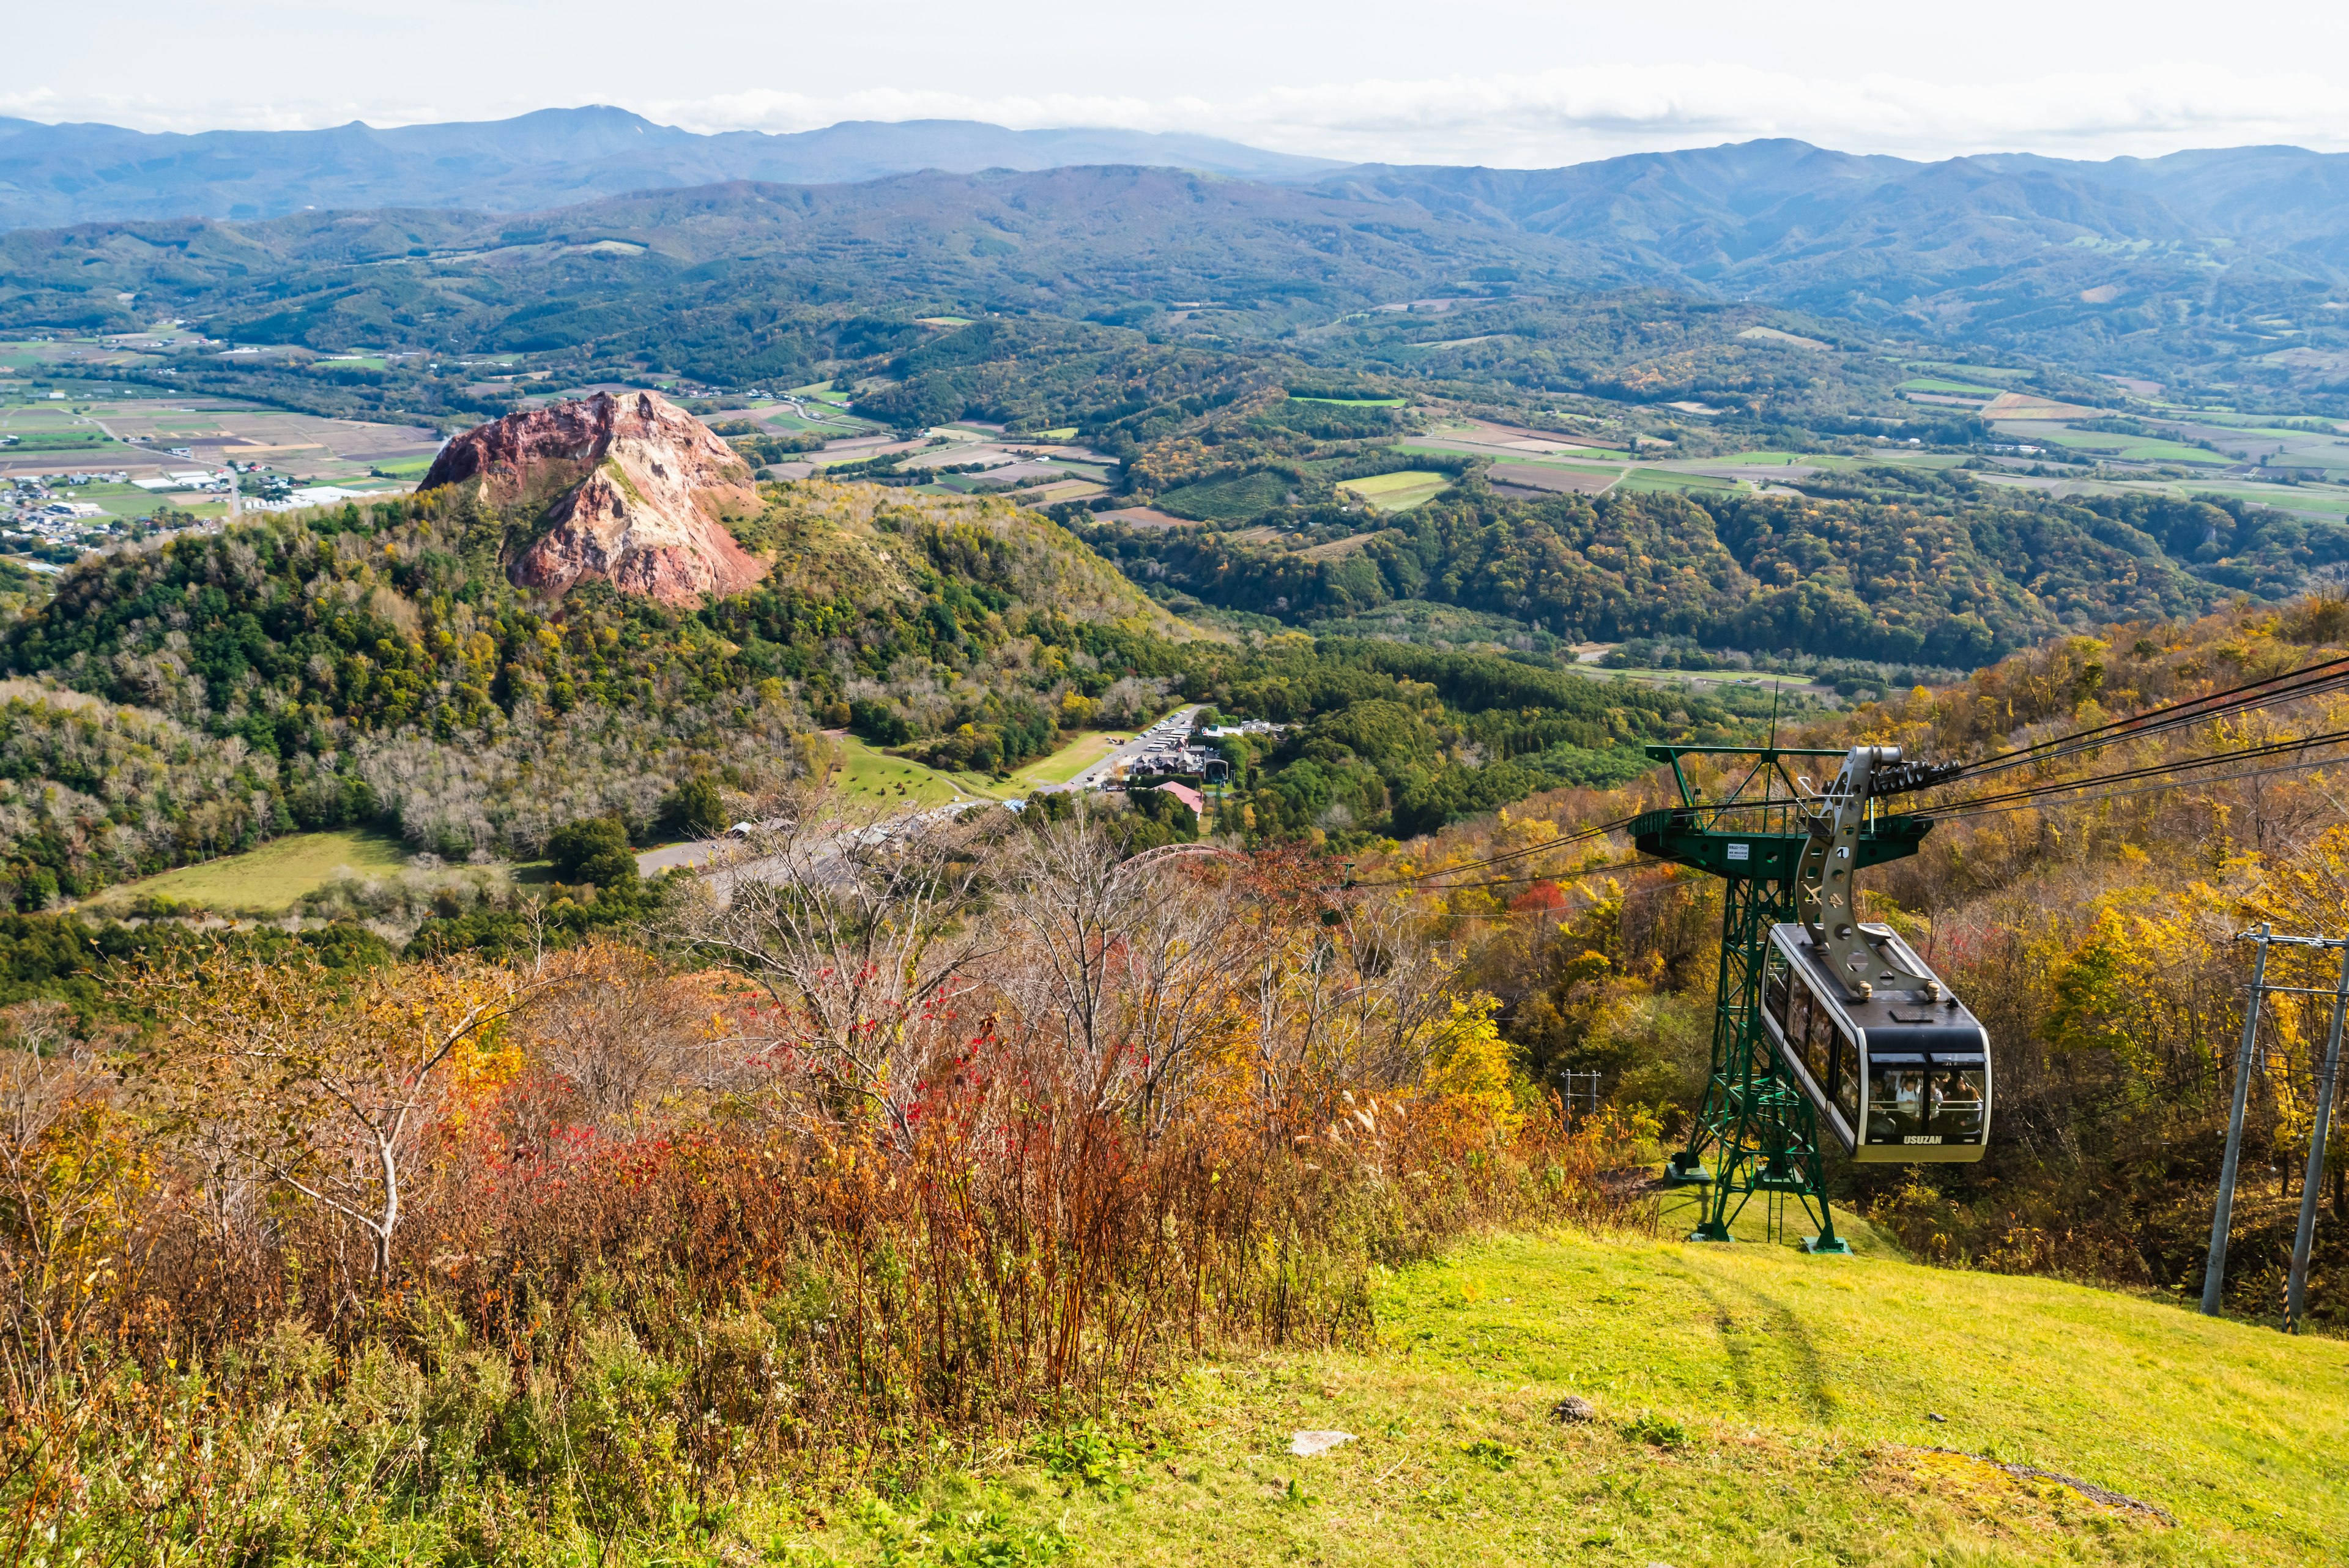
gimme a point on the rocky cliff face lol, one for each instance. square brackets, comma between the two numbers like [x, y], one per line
[637, 491]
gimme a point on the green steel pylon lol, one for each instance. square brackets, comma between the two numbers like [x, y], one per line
[1756, 1126]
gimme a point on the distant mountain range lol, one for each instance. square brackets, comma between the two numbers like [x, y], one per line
[509, 228]
[53, 175]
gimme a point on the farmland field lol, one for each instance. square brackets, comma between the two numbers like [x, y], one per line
[1655, 479]
[1398, 492]
[267, 880]
[2128, 448]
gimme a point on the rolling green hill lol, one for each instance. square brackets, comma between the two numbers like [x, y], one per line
[1892, 565]
[1752, 1405]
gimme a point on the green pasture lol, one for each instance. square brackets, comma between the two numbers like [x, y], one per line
[866, 775]
[404, 468]
[1352, 403]
[1750, 1406]
[267, 880]
[2306, 499]
[1082, 751]
[2133, 449]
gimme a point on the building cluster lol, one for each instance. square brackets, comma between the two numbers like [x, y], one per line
[31, 510]
[1172, 748]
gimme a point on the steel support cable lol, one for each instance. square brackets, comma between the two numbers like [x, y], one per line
[2043, 803]
[2151, 770]
[1535, 878]
[2308, 680]
[1579, 836]
[2170, 726]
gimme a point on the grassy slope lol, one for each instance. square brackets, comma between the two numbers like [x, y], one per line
[270, 878]
[1757, 1406]
[874, 777]
[1086, 748]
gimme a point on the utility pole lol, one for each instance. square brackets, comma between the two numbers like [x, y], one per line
[2295, 1299]
[2214, 1272]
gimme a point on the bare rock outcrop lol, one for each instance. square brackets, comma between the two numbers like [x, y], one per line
[637, 491]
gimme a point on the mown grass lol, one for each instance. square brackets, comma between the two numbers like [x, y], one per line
[1082, 752]
[1397, 492]
[269, 879]
[1756, 1406]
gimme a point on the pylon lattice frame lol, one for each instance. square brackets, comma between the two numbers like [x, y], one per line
[1756, 1125]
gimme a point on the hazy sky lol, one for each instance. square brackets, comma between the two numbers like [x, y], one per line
[1493, 81]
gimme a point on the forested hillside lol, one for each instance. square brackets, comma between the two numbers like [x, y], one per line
[1955, 575]
[315, 671]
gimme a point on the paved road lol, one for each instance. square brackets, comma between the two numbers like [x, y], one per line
[1172, 727]
[708, 851]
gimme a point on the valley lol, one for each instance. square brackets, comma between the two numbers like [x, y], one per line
[927, 845]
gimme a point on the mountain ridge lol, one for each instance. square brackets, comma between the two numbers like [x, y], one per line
[53, 175]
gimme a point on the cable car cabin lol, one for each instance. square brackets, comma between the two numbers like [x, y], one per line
[1898, 1079]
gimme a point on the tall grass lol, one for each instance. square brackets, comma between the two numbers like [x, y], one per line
[957, 1139]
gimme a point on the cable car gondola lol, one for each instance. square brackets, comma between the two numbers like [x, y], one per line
[1899, 1077]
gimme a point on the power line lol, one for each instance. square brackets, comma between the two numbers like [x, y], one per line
[2151, 770]
[2309, 680]
[1505, 858]
[1943, 815]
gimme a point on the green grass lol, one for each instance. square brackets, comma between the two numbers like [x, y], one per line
[1083, 750]
[404, 468]
[1754, 1406]
[270, 878]
[1352, 403]
[1935, 384]
[1399, 492]
[870, 777]
[2301, 499]
[2133, 449]
[1761, 459]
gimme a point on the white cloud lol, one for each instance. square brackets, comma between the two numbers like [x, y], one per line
[1531, 119]
[1560, 116]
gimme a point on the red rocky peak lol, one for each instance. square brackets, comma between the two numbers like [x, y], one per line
[641, 488]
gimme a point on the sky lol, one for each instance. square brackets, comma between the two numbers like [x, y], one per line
[1504, 82]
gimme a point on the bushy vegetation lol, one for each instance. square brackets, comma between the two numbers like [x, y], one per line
[912, 1142]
